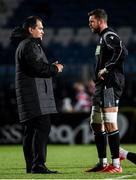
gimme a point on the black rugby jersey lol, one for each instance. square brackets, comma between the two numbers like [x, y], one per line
[110, 53]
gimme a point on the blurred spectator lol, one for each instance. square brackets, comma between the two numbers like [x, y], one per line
[67, 105]
[83, 100]
[91, 88]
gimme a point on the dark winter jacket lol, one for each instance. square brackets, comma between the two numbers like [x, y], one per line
[34, 89]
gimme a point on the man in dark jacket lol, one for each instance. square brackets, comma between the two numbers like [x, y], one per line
[110, 54]
[34, 92]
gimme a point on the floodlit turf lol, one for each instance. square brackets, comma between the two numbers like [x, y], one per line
[70, 160]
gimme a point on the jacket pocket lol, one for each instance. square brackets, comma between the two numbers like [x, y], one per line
[45, 86]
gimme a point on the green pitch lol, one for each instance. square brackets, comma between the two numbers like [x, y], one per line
[70, 160]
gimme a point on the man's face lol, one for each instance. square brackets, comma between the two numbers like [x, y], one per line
[94, 24]
[37, 32]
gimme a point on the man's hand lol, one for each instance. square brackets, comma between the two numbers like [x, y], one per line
[101, 73]
[59, 66]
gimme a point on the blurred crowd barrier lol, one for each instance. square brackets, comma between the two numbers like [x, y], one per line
[73, 128]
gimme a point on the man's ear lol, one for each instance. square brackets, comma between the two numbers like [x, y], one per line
[102, 21]
[30, 30]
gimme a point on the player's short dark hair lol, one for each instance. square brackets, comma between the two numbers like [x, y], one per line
[99, 14]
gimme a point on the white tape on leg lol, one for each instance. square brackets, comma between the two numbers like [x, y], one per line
[96, 116]
[110, 117]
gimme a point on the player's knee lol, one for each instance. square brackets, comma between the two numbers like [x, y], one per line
[97, 127]
[111, 127]
[110, 121]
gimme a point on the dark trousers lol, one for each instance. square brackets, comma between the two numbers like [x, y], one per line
[35, 139]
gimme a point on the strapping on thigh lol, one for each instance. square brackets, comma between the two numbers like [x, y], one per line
[110, 117]
[96, 115]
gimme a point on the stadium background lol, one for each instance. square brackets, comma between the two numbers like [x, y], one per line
[68, 40]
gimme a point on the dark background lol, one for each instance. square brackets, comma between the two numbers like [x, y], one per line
[69, 40]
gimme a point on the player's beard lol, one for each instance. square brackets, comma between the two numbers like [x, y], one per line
[96, 30]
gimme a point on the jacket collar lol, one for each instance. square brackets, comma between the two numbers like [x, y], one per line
[36, 40]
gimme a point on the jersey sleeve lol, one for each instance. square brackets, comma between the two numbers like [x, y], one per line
[114, 43]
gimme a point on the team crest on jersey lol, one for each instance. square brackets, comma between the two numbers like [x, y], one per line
[97, 52]
[112, 37]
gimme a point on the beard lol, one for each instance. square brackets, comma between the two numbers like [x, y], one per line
[96, 30]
